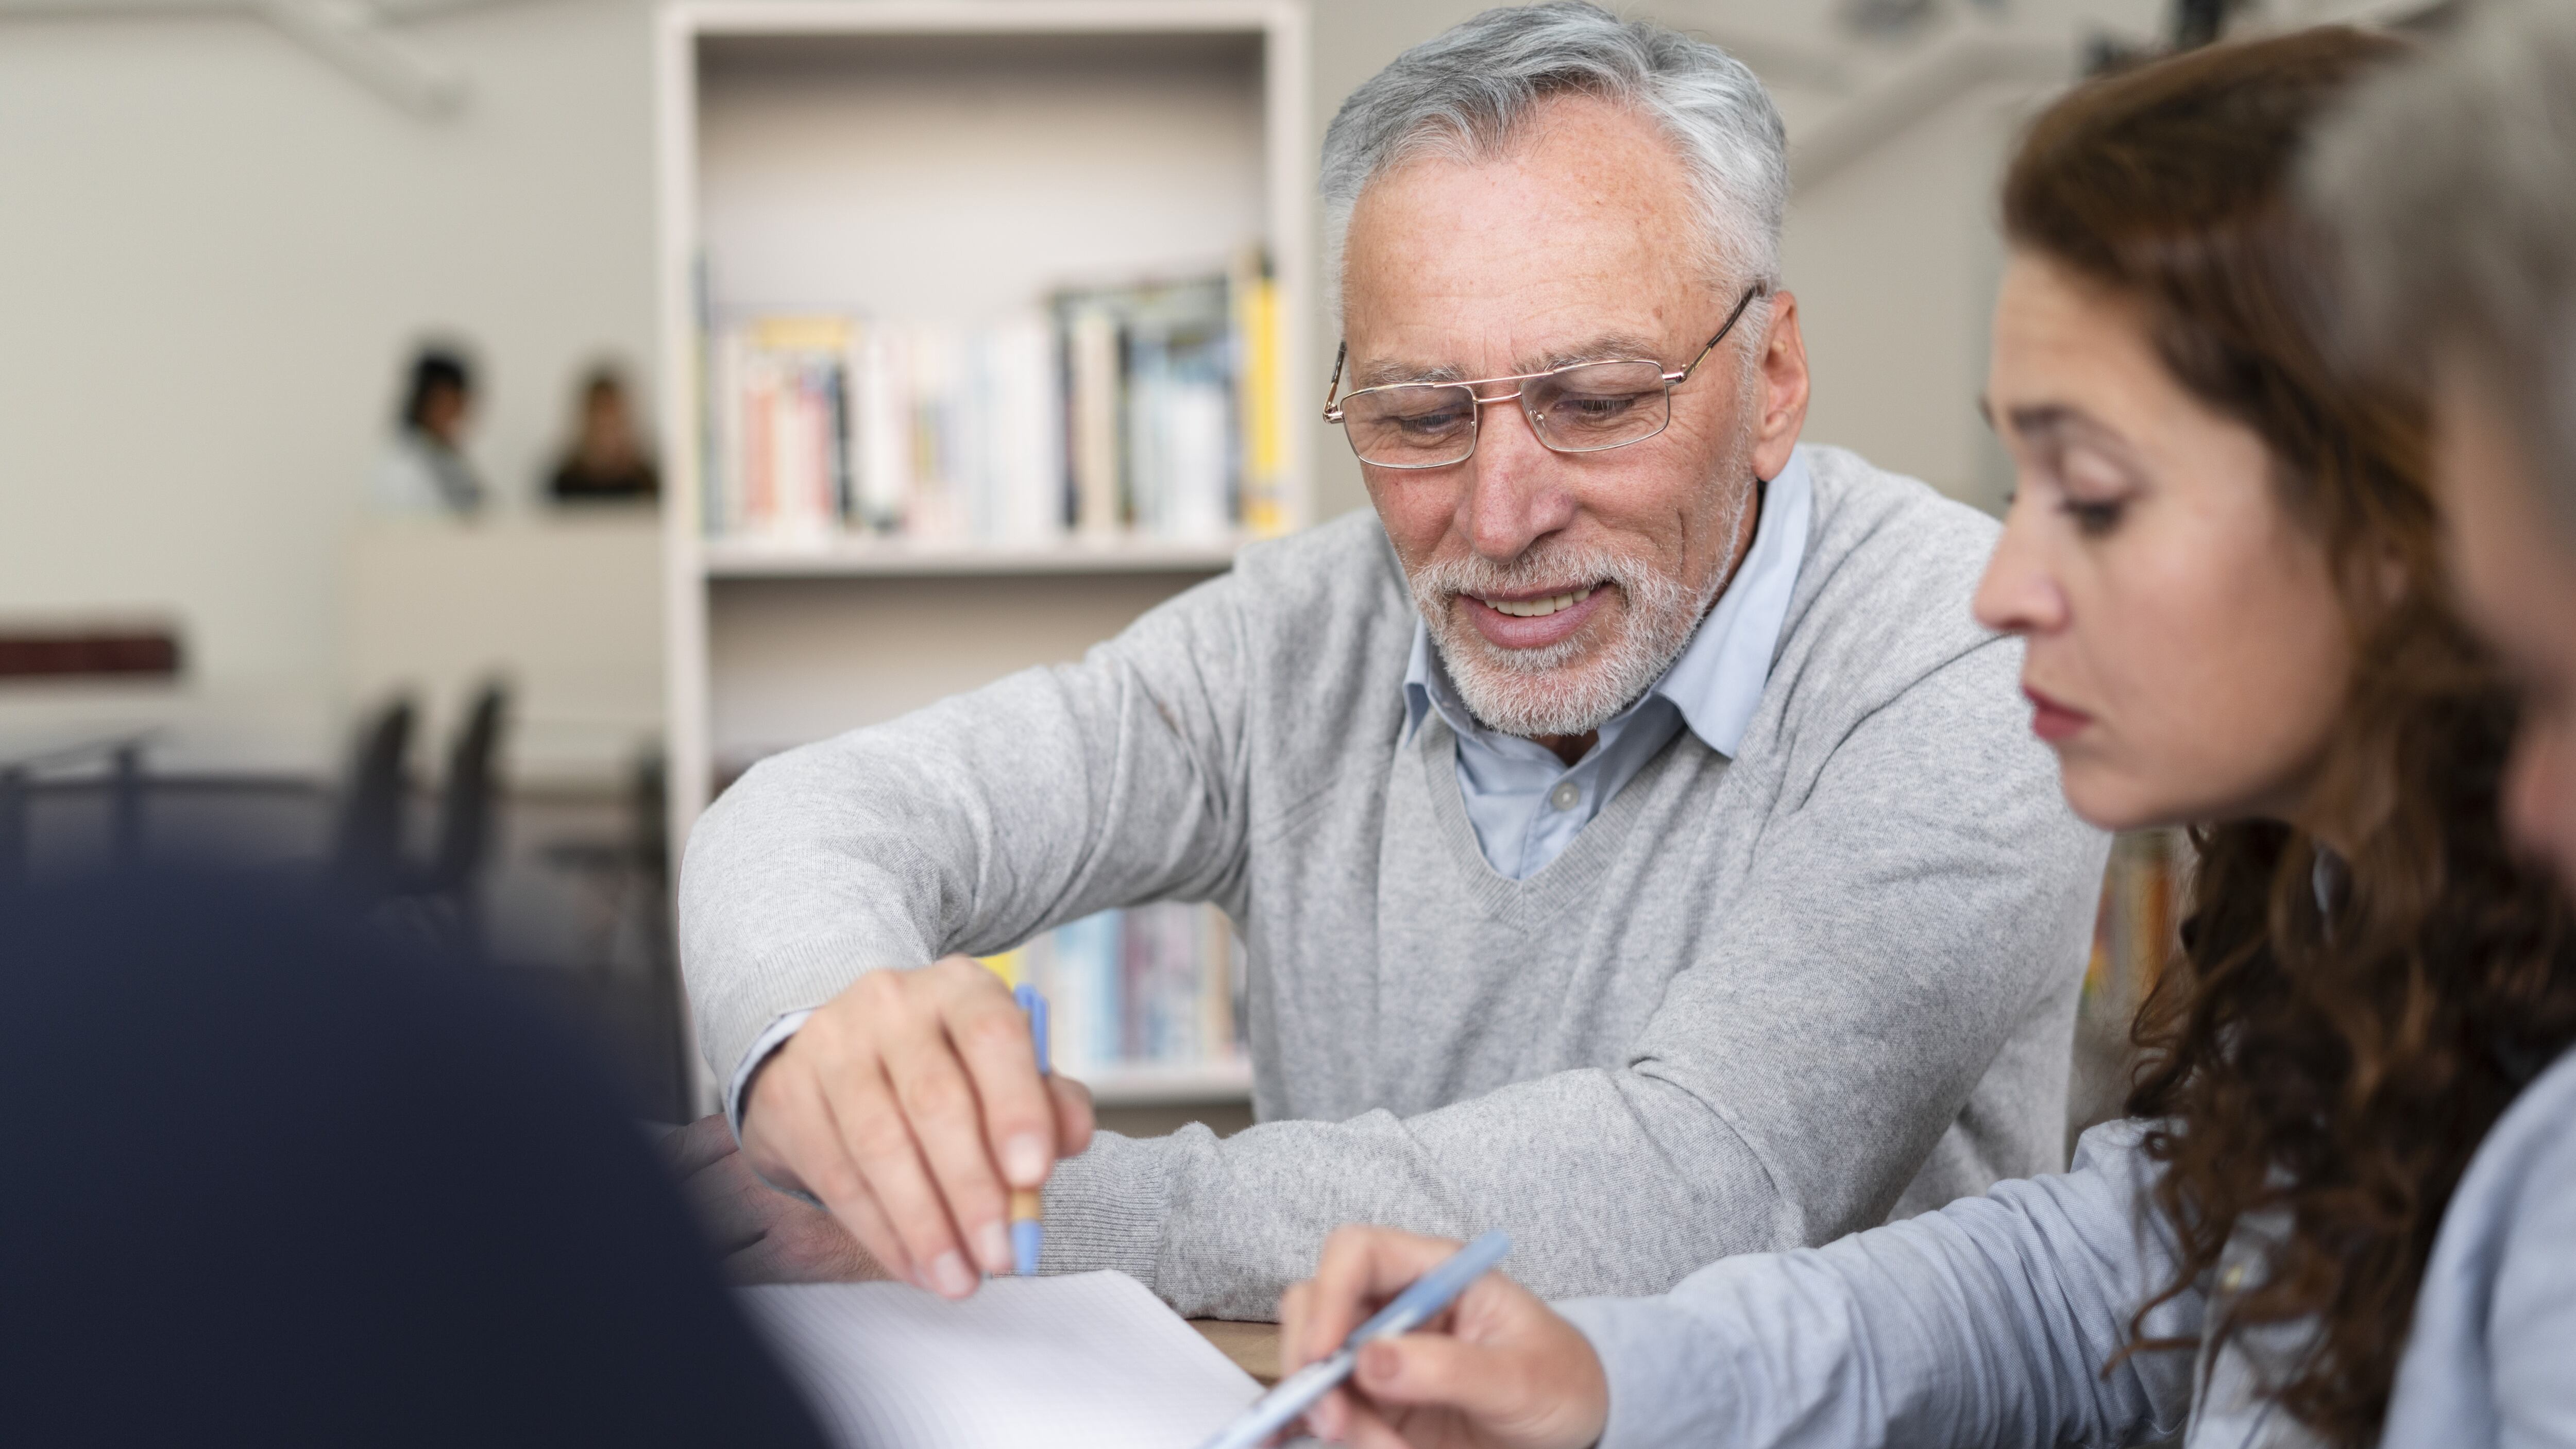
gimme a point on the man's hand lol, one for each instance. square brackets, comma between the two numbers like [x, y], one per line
[1497, 1370]
[911, 1105]
[763, 1235]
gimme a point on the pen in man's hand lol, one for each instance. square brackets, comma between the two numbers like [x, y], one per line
[1028, 1210]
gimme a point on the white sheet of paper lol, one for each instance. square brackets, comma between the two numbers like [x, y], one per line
[1083, 1361]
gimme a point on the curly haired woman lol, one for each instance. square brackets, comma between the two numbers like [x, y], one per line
[2343, 1204]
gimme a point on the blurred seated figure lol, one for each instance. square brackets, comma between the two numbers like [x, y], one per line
[274, 1180]
[423, 469]
[606, 462]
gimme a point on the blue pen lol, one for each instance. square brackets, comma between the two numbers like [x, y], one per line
[1028, 1210]
[1429, 1294]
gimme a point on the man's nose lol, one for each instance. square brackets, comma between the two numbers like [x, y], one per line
[1516, 491]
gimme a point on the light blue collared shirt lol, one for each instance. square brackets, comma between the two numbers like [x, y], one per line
[1526, 804]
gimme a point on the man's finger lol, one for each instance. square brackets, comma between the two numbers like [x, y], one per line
[879, 1153]
[991, 1035]
[810, 1137]
[1074, 1118]
[732, 1204]
[939, 1102]
[808, 1247]
[696, 1145]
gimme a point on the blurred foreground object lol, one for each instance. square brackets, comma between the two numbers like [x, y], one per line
[276, 1180]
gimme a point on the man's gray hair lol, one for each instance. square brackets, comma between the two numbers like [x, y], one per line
[2450, 185]
[1468, 92]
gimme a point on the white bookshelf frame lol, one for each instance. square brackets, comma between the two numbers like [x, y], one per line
[693, 564]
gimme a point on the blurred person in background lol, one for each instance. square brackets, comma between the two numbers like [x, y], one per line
[423, 469]
[607, 462]
[2343, 1209]
[275, 1179]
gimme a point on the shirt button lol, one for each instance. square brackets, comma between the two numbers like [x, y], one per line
[1565, 796]
[2233, 1278]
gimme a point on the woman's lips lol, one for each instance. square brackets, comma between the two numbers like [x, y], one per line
[2052, 721]
[1507, 631]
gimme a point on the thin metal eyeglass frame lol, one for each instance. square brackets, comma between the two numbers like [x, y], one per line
[1333, 402]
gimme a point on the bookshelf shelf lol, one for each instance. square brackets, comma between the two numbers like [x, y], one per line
[920, 167]
[1141, 1086]
[899, 558]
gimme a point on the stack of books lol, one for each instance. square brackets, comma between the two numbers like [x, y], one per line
[1149, 411]
[1150, 986]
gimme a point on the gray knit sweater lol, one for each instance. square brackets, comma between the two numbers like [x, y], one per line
[1756, 1004]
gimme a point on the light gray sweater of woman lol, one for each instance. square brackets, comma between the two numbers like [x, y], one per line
[1990, 1322]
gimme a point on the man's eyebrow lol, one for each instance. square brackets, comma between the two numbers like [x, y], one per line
[1610, 346]
[1378, 372]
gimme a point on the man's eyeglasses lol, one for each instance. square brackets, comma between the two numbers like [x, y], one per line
[1581, 408]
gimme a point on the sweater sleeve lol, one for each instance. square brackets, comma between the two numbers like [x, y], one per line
[1995, 1320]
[1896, 927]
[972, 824]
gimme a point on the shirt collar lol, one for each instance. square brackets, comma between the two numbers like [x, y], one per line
[1719, 678]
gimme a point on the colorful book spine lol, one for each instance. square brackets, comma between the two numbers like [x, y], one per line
[1151, 410]
[1151, 986]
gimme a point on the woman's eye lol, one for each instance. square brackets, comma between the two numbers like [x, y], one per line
[2093, 520]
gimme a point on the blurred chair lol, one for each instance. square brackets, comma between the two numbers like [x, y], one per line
[467, 807]
[628, 879]
[367, 848]
[371, 867]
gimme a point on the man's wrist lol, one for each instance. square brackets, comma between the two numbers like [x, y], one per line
[737, 1098]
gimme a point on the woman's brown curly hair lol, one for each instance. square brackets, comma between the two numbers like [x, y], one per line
[2337, 1064]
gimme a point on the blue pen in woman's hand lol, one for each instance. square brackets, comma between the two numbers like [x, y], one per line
[1028, 1210]
[1410, 1309]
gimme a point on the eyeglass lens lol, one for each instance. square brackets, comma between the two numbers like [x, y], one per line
[1579, 409]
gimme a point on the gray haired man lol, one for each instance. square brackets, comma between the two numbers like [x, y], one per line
[1636, 845]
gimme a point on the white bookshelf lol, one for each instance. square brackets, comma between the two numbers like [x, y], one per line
[1154, 1086]
[934, 160]
[856, 556]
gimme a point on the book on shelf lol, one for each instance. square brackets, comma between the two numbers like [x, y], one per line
[2136, 929]
[1149, 410]
[1150, 986]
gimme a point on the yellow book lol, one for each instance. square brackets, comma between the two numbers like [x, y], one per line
[1259, 404]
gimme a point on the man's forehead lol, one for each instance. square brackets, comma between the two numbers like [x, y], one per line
[1576, 245]
[1429, 361]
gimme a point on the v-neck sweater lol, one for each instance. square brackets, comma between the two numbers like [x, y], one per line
[1757, 1003]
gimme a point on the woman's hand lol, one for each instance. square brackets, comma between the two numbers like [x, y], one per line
[1497, 1370]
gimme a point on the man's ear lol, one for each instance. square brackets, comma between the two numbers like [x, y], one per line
[1783, 396]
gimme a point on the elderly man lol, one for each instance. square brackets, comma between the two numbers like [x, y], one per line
[1635, 844]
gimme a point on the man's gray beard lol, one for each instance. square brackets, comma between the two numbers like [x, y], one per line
[1550, 691]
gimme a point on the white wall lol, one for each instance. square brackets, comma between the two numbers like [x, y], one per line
[215, 251]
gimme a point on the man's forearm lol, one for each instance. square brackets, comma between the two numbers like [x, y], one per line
[1220, 1227]
[965, 827]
